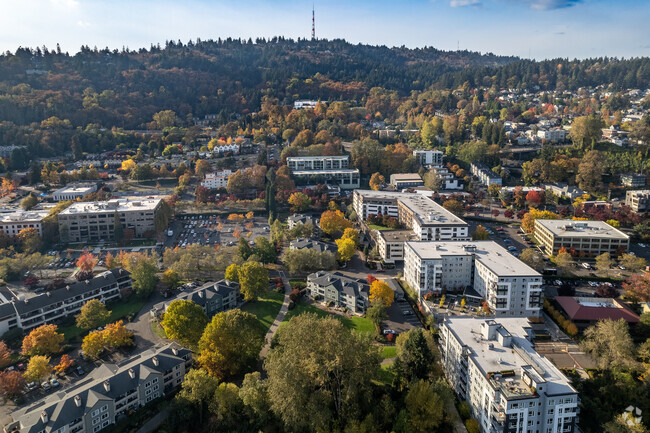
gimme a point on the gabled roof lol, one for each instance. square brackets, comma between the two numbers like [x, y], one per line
[321, 247]
[341, 283]
[592, 309]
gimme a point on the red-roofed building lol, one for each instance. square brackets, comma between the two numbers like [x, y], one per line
[586, 311]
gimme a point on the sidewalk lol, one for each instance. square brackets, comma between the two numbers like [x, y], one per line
[278, 319]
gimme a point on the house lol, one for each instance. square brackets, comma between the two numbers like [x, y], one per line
[585, 312]
[564, 190]
[217, 180]
[340, 290]
[633, 180]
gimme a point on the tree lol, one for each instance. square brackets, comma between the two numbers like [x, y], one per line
[637, 288]
[12, 383]
[165, 119]
[528, 221]
[377, 313]
[532, 258]
[29, 239]
[5, 354]
[232, 273]
[610, 344]
[632, 262]
[603, 262]
[494, 189]
[254, 393]
[244, 249]
[93, 345]
[455, 207]
[472, 425]
[230, 343]
[87, 262]
[184, 321]
[143, 270]
[333, 221]
[432, 180]
[299, 202]
[480, 234]
[416, 355]
[381, 292]
[534, 198]
[29, 202]
[346, 249]
[38, 368]
[128, 165]
[116, 335]
[320, 368]
[563, 260]
[170, 277]
[92, 315]
[42, 340]
[586, 130]
[202, 167]
[376, 181]
[423, 407]
[253, 279]
[590, 172]
[198, 387]
[606, 291]
[64, 364]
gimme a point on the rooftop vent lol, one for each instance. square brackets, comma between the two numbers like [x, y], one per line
[155, 361]
[107, 385]
[132, 373]
[175, 350]
[44, 417]
[77, 401]
[48, 294]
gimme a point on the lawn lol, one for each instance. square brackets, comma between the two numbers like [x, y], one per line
[388, 352]
[359, 324]
[385, 375]
[266, 308]
[376, 227]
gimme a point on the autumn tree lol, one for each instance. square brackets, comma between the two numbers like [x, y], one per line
[590, 172]
[528, 221]
[381, 292]
[184, 321]
[534, 198]
[563, 260]
[480, 234]
[202, 167]
[5, 354]
[532, 258]
[198, 388]
[346, 248]
[64, 364]
[603, 262]
[87, 262]
[351, 234]
[42, 340]
[116, 335]
[334, 221]
[299, 202]
[454, 206]
[586, 131]
[253, 280]
[38, 368]
[12, 383]
[232, 273]
[610, 344]
[376, 181]
[632, 262]
[92, 315]
[637, 288]
[230, 343]
[93, 345]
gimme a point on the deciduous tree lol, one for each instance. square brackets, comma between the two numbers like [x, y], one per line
[333, 221]
[42, 340]
[603, 262]
[232, 273]
[184, 321]
[38, 368]
[416, 355]
[346, 249]
[299, 202]
[610, 344]
[198, 388]
[381, 292]
[93, 345]
[424, 408]
[64, 363]
[376, 181]
[92, 315]
[637, 288]
[116, 335]
[12, 383]
[480, 234]
[253, 280]
[455, 207]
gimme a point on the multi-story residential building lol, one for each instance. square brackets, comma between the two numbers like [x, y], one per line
[216, 180]
[213, 297]
[406, 180]
[339, 289]
[554, 135]
[343, 178]
[16, 220]
[82, 222]
[73, 192]
[591, 237]
[310, 244]
[565, 191]
[390, 244]
[484, 174]
[633, 180]
[53, 306]
[447, 180]
[107, 395]
[430, 221]
[298, 163]
[8, 315]
[638, 200]
[225, 148]
[510, 287]
[429, 157]
[367, 202]
[492, 364]
[304, 103]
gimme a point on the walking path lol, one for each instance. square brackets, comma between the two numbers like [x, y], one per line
[154, 423]
[278, 319]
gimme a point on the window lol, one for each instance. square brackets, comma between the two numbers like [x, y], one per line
[95, 412]
[104, 408]
[104, 416]
[96, 429]
[105, 423]
[155, 380]
[96, 421]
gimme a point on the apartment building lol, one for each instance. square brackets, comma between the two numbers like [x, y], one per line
[310, 244]
[485, 175]
[428, 157]
[343, 178]
[367, 202]
[390, 244]
[510, 287]
[493, 365]
[564, 190]
[73, 192]
[83, 222]
[591, 237]
[217, 179]
[297, 163]
[430, 221]
[108, 394]
[638, 200]
[406, 180]
[555, 134]
[448, 180]
[633, 180]
[213, 297]
[14, 221]
[340, 290]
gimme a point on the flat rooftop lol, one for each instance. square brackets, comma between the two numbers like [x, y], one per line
[428, 212]
[489, 253]
[111, 206]
[76, 189]
[21, 216]
[397, 235]
[370, 194]
[491, 357]
[307, 158]
[591, 229]
[401, 177]
[342, 170]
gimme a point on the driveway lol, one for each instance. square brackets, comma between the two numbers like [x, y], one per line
[143, 335]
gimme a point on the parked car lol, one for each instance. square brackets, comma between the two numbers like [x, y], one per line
[80, 371]
[46, 386]
[388, 331]
[31, 385]
[55, 383]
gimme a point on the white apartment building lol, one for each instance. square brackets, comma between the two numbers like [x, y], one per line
[510, 287]
[430, 221]
[343, 178]
[297, 163]
[638, 200]
[216, 180]
[484, 174]
[73, 192]
[448, 180]
[428, 157]
[232, 147]
[13, 222]
[554, 135]
[492, 364]
[390, 244]
[95, 221]
[367, 202]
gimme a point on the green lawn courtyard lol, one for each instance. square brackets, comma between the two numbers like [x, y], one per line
[266, 308]
[358, 324]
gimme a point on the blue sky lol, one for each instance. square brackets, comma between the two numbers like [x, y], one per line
[536, 28]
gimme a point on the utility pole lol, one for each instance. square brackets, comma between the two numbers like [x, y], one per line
[313, 23]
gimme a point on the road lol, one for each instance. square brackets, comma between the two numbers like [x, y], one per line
[143, 334]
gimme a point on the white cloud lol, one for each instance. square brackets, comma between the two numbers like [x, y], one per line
[462, 3]
[83, 24]
[65, 3]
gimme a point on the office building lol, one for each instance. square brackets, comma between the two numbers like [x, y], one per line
[83, 222]
[492, 365]
[343, 178]
[298, 163]
[213, 297]
[428, 157]
[484, 174]
[638, 200]
[16, 220]
[406, 180]
[73, 192]
[510, 287]
[107, 395]
[340, 290]
[590, 238]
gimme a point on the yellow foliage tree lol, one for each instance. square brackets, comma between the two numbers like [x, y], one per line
[38, 368]
[42, 340]
[346, 249]
[528, 221]
[351, 234]
[93, 345]
[333, 221]
[380, 291]
[128, 164]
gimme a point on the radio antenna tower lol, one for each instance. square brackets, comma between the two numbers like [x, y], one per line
[313, 23]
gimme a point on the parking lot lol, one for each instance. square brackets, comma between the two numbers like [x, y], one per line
[401, 317]
[213, 230]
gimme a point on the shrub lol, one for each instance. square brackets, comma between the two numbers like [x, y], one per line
[295, 295]
[464, 410]
[472, 426]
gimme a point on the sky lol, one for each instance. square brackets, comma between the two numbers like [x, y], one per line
[525, 28]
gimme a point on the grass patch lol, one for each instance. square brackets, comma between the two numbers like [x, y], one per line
[358, 324]
[157, 329]
[266, 308]
[389, 352]
[385, 375]
[376, 227]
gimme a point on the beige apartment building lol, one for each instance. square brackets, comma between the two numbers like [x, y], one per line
[638, 200]
[591, 237]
